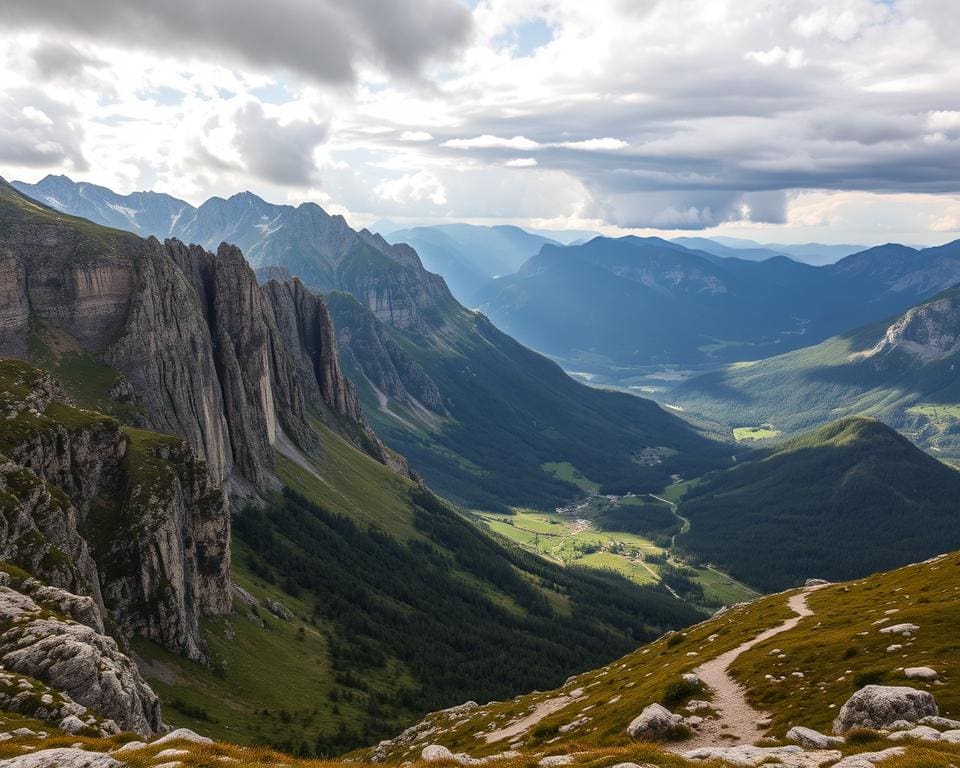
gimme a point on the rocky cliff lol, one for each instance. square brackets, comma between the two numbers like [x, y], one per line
[127, 517]
[60, 667]
[930, 331]
[202, 350]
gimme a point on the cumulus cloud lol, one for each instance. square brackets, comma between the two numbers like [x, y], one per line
[322, 39]
[413, 188]
[416, 136]
[655, 114]
[281, 153]
[487, 141]
[39, 132]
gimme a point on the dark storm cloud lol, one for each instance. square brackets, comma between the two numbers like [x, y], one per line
[279, 153]
[322, 39]
[53, 59]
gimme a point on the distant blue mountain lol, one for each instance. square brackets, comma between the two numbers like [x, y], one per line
[637, 301]
[469, 256]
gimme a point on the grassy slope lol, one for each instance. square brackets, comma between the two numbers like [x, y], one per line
[808, 387]
[795, 514]
[513, 417]
[282, 685]
[848, 616]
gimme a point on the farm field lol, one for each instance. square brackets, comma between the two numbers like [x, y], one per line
[584, 534]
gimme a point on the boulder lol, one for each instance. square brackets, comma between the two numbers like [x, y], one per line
[61, 758]
[655, 723]
[940, 722]
[182, 734]
[905, 630]
[921, 673]
[877, 706]
[869, 759]
[695, 705]
[690, 678]
[72, 724]
[921, 732]
[952, 736]
[436, 752]
[555, 761]
[811, 739]
[790, 757]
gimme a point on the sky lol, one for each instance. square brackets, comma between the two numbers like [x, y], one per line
[777, 120]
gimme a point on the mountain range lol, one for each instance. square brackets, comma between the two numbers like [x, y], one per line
[619, 304]
[850, 480]
[470, 256]
[476, 413]
[202, 524]
[903, 370]
[184, 460]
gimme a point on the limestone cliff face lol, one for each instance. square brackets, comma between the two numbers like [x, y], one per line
[930, 331]
[373, 354]
[130, 518]
[306, 328]
[205, 352]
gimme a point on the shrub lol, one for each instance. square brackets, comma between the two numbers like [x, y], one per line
[869, 677]
[677, 692]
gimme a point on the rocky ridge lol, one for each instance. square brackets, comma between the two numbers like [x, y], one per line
[129, 518]
[203, 352]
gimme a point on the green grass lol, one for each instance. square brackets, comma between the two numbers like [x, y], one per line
[564, 470]
[846, 616]
[556, 537]
[864, 497]
[938, 412]
[764, 432]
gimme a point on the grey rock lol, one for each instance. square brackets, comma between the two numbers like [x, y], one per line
[79, 661]
[811, 739]
[816, 583]
[921, 732]
[72, 724]
[555, 761]
[690, 678]
[182, 734]
[279, 610]
[905, 630]
[869, 759]
[436, 752]
[655, 723]
[791, 756]
[877, 706]
[940, 722]
[61, 758]
[920, 673]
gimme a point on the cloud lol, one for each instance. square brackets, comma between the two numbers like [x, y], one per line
[53, 59]
[592, 145]
[416, 136]
[325, 40]
[281, 153]
[487, 141]
[522, 162]
[413, 188]
[39, 132]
